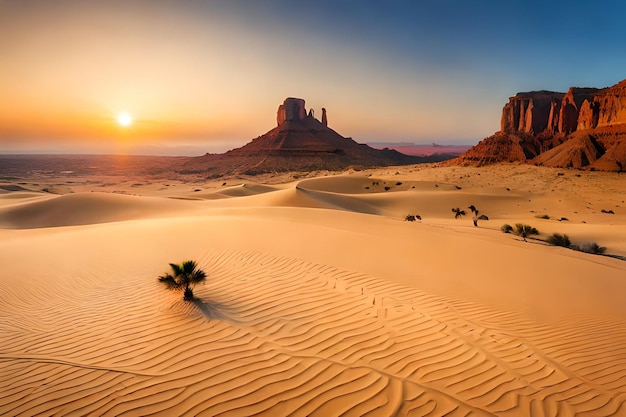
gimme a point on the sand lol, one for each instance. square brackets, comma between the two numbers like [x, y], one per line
[320, 298]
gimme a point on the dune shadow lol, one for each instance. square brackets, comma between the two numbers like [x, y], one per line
[211, 310]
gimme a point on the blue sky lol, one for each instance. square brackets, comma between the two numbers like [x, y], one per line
[209, 75]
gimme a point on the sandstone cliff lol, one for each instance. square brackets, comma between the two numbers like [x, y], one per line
[582, 128]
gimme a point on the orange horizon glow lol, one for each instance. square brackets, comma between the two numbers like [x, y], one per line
[216, 72]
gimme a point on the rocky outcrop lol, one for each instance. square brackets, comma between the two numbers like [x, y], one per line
[577, 152]
[291, 109]
[611, 104]
[583, 128]
[531, 112]
[300, 142]
[501, 147]
[571, 106]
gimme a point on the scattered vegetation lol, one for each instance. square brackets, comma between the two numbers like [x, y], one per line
[607, 211]
[592, 247]
[183, 277]
[506, 228]
[412, 217]
[387, 188]
[542, 216]
[458, 212]
[558, 239]
[524, 231]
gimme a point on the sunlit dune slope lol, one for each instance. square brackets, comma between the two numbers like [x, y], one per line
[320, 299]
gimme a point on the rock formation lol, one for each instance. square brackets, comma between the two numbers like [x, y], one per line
[300, 142]
[291, 109]
[611, 104]
[583, 128]
[531, 112]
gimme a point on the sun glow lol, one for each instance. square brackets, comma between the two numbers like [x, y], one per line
[123, 119]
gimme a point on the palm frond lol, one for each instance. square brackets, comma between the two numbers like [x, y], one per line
[170, 282]
[188, 267]
[176, 269]
[198, 276]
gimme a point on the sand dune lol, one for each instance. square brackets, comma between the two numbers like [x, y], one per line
[320, 300]
[86, 208]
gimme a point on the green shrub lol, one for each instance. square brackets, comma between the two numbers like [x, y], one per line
[524, 230]
[506, 228]
[593, 247]
[558, 239]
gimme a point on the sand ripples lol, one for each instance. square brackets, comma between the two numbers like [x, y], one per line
[278, 336]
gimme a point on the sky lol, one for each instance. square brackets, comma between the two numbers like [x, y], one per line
[207, 76]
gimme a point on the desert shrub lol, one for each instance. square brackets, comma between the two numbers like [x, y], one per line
[525, 230]
[409, 218]
[563, 219]
[398, 183]
[592, 247]
[387, 188]
[483, 217]
[506, 228]
[607, 211]
[542, 216]
[558, 239]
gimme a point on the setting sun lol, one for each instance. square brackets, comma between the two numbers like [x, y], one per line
[123, 119]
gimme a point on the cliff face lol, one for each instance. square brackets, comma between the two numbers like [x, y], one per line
[611, 104]
[538, 122]
[531, 112]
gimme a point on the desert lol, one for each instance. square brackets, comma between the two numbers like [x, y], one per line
[312, 208]
[320, 299]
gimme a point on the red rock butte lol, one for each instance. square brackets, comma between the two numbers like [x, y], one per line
[583, 128]
[299, 142]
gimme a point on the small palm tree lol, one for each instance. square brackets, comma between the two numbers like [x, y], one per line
[458, 212]
[524, 230]
[183, 277]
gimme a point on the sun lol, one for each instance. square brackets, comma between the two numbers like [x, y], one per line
[123, 119]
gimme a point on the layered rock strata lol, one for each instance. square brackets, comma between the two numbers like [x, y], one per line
[582, 128]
